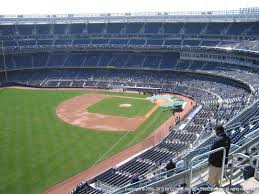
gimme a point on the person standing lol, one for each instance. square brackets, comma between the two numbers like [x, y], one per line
[169, 167]
[215, 159]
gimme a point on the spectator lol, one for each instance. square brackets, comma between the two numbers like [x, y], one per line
[134, 178]
[169, 167]
[249, 171]
[180, 166]
[215, 159]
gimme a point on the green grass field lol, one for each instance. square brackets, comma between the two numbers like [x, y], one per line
[38, 150]
[111, 106]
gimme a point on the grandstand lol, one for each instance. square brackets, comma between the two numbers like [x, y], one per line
[212, 57]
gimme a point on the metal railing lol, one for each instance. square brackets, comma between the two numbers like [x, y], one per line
[256, 165]
[207, 153]
[185, 175]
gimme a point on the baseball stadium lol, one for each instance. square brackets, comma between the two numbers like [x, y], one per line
[89, 101]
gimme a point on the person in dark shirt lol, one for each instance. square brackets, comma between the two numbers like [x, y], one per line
[134, 178]
[169, 167]
[215, 159]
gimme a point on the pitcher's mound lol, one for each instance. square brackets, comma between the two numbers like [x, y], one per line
[125, 105]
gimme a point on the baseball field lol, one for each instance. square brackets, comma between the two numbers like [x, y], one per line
[38, 149]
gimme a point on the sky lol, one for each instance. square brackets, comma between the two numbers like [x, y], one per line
[18, 7]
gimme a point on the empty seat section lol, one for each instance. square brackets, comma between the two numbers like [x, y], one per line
[43, 28]
[134, 28]
[95, 28]
[10, 43]
[77, 28]
[193, 28]
[92, 60]
[173, 42]
[105, 59]
[115, 28]
[152, 27]
[135, 60]
[216, 28]
[40, 59]
[172, 28]
[22, 61]
[154, 42]
[238, 28]
[27, 42]
[60, 28]
[209, 43]
[56, 60]
[100, 41]
[9, 62]
[169, 60]
[7, 30]
[191, 42]
[75, 60]
[63, 42]
[118, 41]
[81, 41]
[152, 62]
[118, 60]
[45, 42]
[25, 29]
[254, 31]
[137, 42]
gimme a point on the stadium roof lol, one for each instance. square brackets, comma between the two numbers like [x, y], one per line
[37, 7]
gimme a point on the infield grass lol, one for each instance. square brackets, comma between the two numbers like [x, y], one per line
[111, 106]
[38, 150]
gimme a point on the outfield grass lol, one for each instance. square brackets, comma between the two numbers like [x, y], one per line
[111, 106]
[38, 150]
